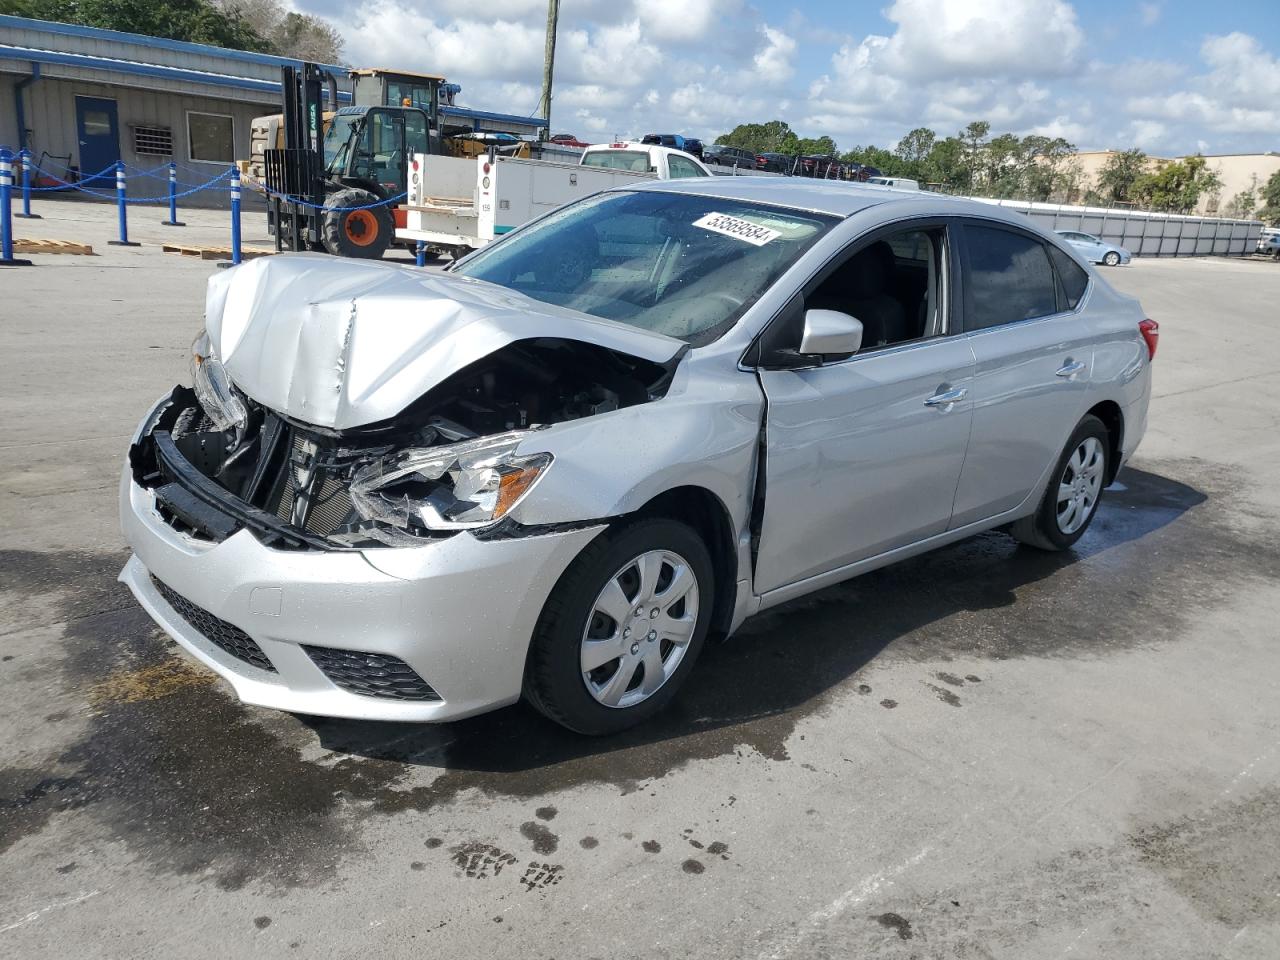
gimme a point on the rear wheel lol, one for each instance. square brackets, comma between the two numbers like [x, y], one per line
[356, 233]
[1075, 488]
[622, 629]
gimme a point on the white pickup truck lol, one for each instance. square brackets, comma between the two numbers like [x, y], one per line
[457, 205]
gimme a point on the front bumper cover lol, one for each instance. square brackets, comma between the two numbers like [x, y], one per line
[460, 611]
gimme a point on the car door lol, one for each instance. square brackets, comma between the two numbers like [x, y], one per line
[1033, 363]
[862, 453]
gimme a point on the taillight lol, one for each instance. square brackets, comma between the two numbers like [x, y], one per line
[1150, 331]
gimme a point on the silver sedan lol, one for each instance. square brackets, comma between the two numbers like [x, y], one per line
[557, 470]
[1095, 249]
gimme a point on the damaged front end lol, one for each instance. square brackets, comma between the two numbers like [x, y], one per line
[458, 458]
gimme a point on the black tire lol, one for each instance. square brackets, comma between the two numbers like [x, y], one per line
[554, 682]
[1041, 529]
[1111, 258]
[365, 234]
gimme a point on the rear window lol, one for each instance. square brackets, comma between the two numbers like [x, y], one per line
[1071, 275]
[1009, 278]
[635, 160]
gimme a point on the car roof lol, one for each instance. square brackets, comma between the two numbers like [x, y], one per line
[834, 197]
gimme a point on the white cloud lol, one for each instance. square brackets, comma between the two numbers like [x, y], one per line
[982, 38]
[1149, 13]
[773, 60]
[678, 20]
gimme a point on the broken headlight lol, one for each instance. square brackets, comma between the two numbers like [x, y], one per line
[213, 388]
[452, 487]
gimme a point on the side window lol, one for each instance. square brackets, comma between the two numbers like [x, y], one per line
[1009, 278]
[1073, 278]
[681, 167]
[893, 285]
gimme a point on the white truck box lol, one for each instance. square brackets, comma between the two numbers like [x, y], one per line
[455, 205]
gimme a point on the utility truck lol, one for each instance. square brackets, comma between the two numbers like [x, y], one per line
[456, 206]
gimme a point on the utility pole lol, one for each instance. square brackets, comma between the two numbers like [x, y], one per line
[548, 66]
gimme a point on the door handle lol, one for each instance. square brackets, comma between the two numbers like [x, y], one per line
[1071, 368]
[947, 399]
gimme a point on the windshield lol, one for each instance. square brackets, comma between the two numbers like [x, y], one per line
[337, 138]
[637, 160]
[682, 265]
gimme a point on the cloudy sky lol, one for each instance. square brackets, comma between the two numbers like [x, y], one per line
[1169, 76]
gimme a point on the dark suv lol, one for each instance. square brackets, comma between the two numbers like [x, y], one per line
[774, 162]
[729, 156]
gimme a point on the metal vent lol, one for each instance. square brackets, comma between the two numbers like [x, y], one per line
[225, 636]
[153, 141]
[371, 674]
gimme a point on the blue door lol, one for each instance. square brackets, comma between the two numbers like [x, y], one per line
[98, 130]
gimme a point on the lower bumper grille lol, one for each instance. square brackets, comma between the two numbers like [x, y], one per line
[225, 636]
[371, 674]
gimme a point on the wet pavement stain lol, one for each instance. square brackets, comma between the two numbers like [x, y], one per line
[588, 843]
[543, 840]
[150, 683]
[545, 813]
[652, 846]
[540, 875]
[480, 861]
[888, 704]
[1219, 859]
[693, 866]
[945, 695]
[194, 782]
[899, 925]
[950, 678]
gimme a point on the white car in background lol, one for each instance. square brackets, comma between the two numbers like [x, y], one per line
[666, 162]
[900, 183]
[1096, 250]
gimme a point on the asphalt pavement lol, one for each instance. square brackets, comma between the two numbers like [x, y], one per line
[987, 752]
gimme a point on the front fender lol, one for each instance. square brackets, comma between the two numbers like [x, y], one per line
[702, 433]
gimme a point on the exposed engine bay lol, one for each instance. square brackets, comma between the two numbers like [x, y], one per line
[218, 461]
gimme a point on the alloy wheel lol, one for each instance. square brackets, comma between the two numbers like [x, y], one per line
[639, 628]
[1080, 484]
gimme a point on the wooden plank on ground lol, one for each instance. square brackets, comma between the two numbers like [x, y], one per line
[52, 246]
[216, 253]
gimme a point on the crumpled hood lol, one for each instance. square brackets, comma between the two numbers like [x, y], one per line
[343, 343]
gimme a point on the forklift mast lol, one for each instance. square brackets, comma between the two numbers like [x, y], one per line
[296, 171]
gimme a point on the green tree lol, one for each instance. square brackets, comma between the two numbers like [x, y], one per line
[1243, 204]
[290, 34]
[821, 145]
[776, 136]
[974, 137]
[196, 21]
[1178, 186]
[1119, 174]
[915, 145]
[947, 164]
[1270, 211]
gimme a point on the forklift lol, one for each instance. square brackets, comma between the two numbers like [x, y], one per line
[355, 157]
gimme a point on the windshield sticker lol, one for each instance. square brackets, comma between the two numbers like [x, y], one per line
[752, 233]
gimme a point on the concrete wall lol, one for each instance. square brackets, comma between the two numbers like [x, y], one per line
[1236, 170]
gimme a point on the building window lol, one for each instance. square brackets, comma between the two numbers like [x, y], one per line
[210, 136]
[153, 141]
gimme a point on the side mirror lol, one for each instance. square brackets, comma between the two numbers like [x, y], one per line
[828, 332]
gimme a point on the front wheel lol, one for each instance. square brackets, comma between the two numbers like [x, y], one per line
[1111, 259]
[1075, 488]
[364, 233]
[622, 628]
